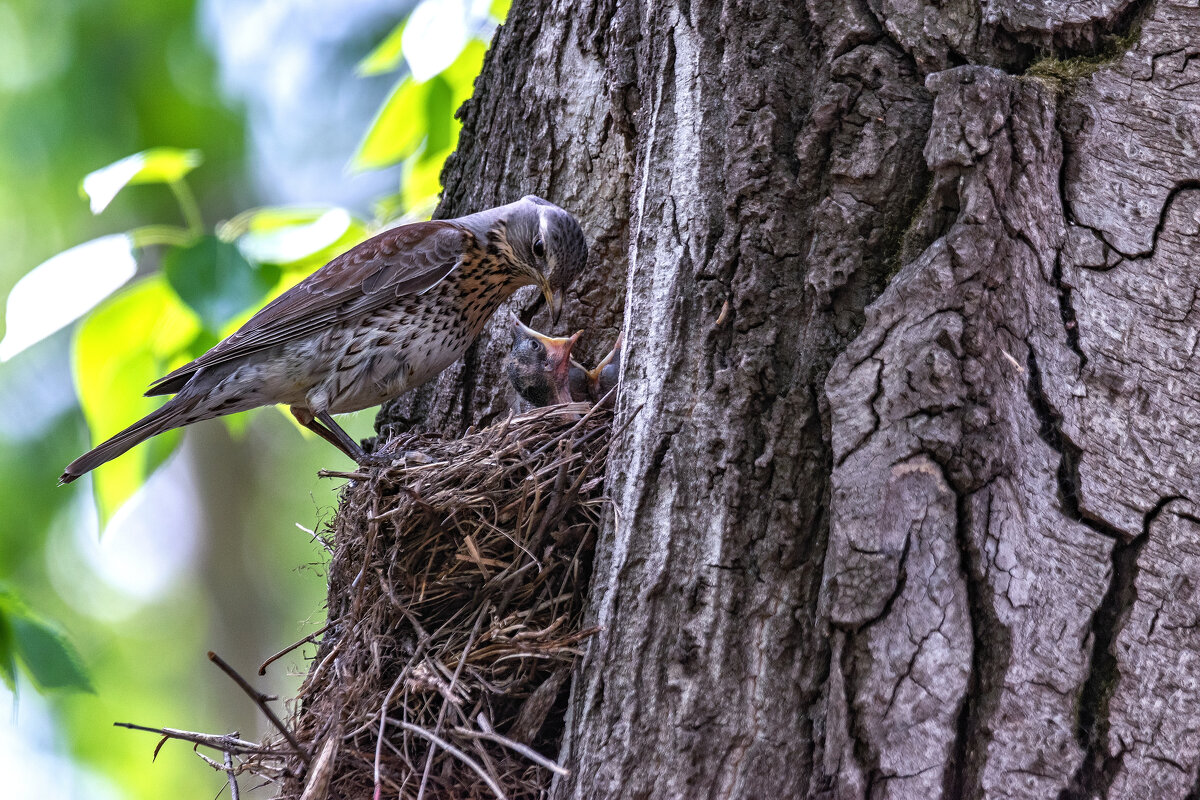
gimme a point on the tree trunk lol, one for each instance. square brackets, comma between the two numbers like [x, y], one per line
[904, 504]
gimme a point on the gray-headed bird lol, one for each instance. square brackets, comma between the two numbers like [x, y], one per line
[373, 323]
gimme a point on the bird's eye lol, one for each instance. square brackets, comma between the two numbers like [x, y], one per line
[539, 247]
[534, 345]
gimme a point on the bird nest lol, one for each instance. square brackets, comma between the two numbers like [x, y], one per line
[455, 613]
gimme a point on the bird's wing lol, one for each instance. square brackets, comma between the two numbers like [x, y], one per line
[403, 261]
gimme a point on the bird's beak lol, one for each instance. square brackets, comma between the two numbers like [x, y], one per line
[558, 348]
[560, 360]
[553, 298]
[525, 329]
[613, 354]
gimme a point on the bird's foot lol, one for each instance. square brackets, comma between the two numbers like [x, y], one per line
[378, 459]
[374, 459]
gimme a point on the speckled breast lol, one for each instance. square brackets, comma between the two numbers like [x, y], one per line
[404, 345]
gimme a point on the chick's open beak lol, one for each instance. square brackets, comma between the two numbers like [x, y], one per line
[558, 358]
[613, 355]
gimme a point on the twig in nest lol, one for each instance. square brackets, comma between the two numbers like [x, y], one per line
[459, 754]
[260, 700]
[442, 713]
[313, 536]
[321, 773]
[333, 473]
[528, 752]
[262, 670]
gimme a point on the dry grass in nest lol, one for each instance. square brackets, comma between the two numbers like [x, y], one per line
[455, 605]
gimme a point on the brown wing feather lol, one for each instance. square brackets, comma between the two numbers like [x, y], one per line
[403, 261]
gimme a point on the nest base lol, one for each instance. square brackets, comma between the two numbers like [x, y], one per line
[455, 614]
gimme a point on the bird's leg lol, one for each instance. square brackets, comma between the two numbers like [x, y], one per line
[330, 432]
[343, 441]
[324, 426]
[354, 449]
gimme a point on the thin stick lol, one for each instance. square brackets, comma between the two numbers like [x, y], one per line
[234, 792]
[222, 742]
[260, 700]
[442, 712]
[312, 676]
[333, 473]
[316, 537]
[592, 411]
[454, 751]
[528, 752]
[382, 721]
[262, 670]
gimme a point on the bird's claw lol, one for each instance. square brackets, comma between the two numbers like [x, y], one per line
[378, 459]
[368, 460]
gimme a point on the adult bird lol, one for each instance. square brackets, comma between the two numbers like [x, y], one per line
[373, 323]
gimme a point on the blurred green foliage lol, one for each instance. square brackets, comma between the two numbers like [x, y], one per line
[139, 331]
[42, 651]
[86, 83]
[224, 276]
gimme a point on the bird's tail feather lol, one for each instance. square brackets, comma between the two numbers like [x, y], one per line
[172, 415]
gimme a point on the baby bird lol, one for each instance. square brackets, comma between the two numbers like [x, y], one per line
[539, 366]
[604, 377]
[542, 371]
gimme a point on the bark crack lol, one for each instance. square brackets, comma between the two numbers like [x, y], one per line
[1099, 766]
[1050, 431]
[1194, 792]
[991, 651]
[867, 760]
[1176, 190]
[875, 418]
[1066, 310]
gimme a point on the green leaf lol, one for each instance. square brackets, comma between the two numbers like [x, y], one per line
[397, 130]
[462, 73]
[152, 235]
[38, 305]
[388, 208]
[421, 183]
[216, 280]
[266, 219]
[387, 55]
[434, 35]
[134, 337]
[49, 658]
[288, 236]
[419, 117]
[439, 117]
[156, 165]
[8, 653]
[499, 9]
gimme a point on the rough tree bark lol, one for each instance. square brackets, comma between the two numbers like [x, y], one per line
[906, 504]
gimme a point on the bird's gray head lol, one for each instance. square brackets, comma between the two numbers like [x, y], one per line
[546, 244]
